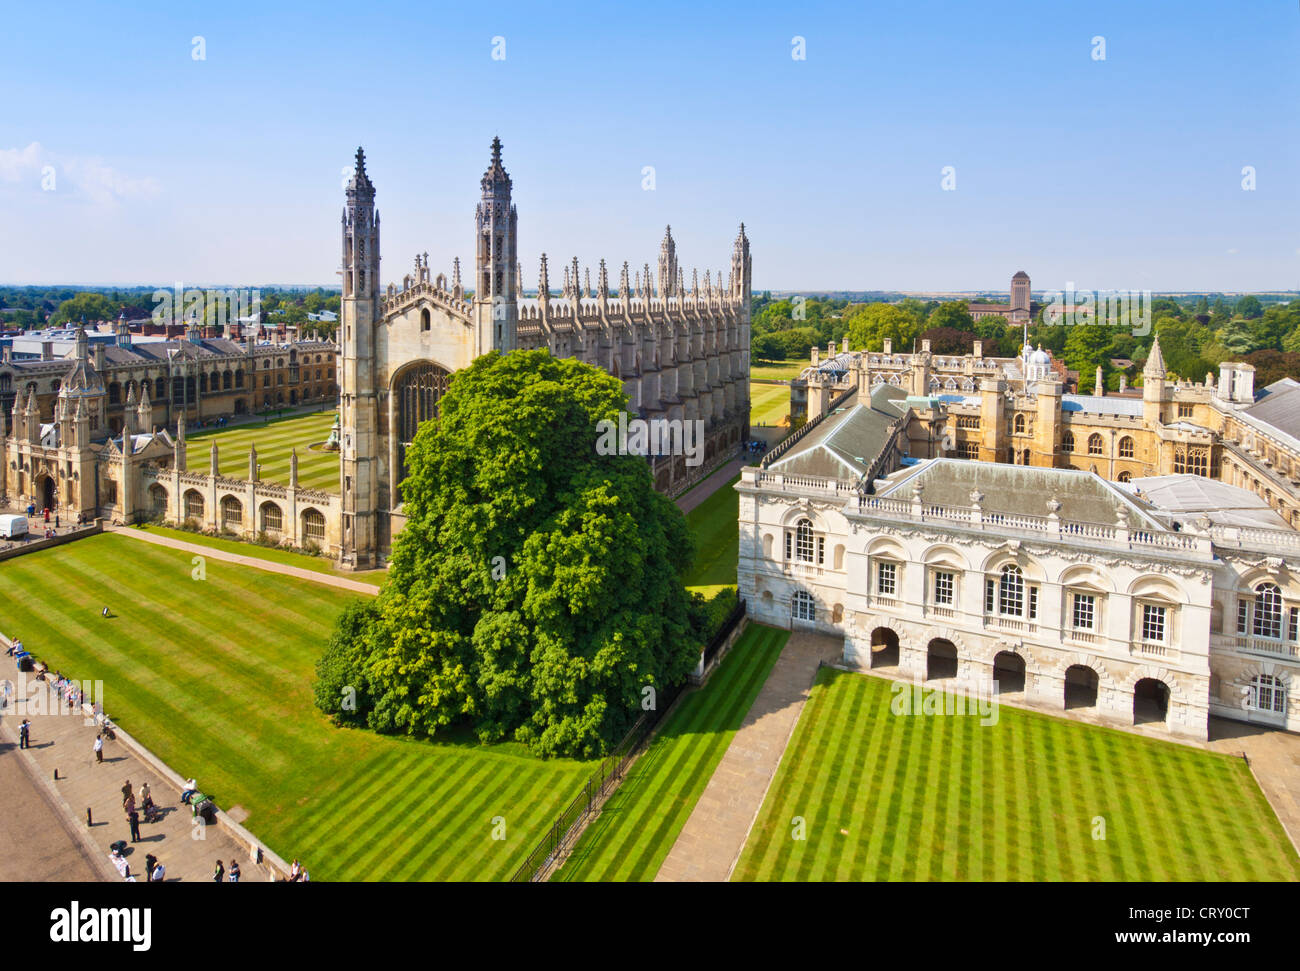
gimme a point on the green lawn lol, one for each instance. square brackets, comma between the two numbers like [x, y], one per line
[274, 440]
[215, 677]
[778, 370]
[887, 797]
[714, 524]
[638, 826]
[318, 564]
[768, 404]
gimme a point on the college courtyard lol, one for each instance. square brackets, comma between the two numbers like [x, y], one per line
[779, 767]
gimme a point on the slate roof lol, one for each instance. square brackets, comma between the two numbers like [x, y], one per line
[1191, 496]
[1021, 490]
[845, 443]
[1278, 405]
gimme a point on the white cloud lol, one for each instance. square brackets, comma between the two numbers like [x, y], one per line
[83, 175]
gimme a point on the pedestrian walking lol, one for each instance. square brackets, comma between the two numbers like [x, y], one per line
[99, 748]
[133, 818]
[234, 871]
[25, 734]
[219, 873]
[126, 791]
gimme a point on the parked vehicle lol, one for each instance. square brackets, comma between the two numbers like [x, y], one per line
[13, 527]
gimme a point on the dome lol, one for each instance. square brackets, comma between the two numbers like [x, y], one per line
[1040, 356]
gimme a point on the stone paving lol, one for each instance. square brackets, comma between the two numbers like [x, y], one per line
[709, 845]
[716, 480]
[66, 742]
[36, 844]
[343, 583]
[1274, 757]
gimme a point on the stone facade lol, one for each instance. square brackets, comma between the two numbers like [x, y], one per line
[1071, 591]
[104, 458]
[1015, 410]
[681, 353]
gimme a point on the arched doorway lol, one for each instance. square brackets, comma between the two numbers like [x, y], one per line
[1081, 684]
[1150, 701]
[49, 494]
[884, 648]
[1009, 672]
[940, 659]
[417, 389]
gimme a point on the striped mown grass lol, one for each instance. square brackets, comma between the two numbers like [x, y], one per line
[215, 677]
[941, 797]
[638, 826]
[714, 524]
[274, 439]
[768, 403]
[304, 561]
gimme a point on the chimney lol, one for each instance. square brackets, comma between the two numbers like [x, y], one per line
[979, 350]
[47, 350]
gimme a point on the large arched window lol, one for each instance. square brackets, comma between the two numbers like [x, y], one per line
[803, 607]
[1268, 693]
[1067, 442]
[313, 526]
[803, 541]
[1020, 424]
[416, 394]
[272, 518]
[194, 505]
[1268, 611]
[1095, 444]
[1126, 447]
[232, 513]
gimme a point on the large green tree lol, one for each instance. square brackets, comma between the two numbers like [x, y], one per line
[872, 323]
[536, 589]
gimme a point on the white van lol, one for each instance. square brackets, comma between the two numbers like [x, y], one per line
[13, 527]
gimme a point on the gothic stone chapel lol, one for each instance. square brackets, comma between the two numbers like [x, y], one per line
[682, 353]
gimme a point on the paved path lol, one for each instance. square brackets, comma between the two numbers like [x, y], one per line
[709, 845]
[1275, 758]
[65, 742]
[36, 842]
[343, 583]
[716, 480]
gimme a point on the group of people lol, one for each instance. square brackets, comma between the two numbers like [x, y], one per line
[154, 870]
[297, 874]
[220, 873]
[129, 805]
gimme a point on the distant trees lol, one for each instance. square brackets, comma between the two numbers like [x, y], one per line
[1249, 307]
[954, 314]
[871, 323]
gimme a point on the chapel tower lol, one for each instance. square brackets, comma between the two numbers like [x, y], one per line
[359, 453]
[496, 249]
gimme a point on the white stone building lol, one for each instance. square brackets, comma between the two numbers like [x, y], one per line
[1149, 601]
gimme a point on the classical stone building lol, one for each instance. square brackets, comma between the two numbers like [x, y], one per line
[1015, 410]
[682, 352]
[1164, 598]
[198, 377]
[83, 436]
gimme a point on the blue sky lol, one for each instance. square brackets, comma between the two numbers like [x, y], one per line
[1122, 173]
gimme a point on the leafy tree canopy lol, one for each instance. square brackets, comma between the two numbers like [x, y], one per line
[536, 589]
